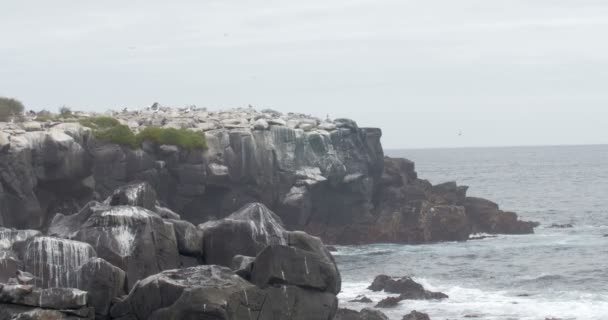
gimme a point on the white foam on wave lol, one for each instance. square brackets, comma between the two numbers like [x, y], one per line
[486, 305]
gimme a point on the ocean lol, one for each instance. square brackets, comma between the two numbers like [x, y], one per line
[553, 274]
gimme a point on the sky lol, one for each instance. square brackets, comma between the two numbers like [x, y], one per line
[432, 73]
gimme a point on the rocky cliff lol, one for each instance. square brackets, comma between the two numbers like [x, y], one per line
[327, 177]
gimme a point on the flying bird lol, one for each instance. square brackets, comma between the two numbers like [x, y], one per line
[24, 277]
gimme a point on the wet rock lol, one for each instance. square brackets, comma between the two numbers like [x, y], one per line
[362, 299]
[405, 286]
[415, 315]
[245, 232]
[389, 302]
[365, 314]
[486, 217]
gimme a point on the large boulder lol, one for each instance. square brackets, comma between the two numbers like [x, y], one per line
[132, 238]
[288, 265]
[103, 282]
[245, 232]
[201, 292]
[189, 238]
[54, 261]
[25, 302]
[282, 302]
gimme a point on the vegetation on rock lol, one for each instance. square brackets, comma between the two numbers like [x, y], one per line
[110, 130]
[10, 108]
[180, 137]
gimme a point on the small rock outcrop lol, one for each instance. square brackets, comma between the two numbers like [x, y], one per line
[365, 314]
[407, 288]
[415, 315]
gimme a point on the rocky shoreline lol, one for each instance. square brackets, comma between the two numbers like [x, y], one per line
[160, 232]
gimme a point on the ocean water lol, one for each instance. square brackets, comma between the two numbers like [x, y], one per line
[552, 274]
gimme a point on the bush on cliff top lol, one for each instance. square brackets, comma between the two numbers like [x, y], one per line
[10, 108]
[180, 137]
[110, 130]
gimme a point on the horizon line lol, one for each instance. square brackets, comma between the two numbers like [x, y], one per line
[500, 147]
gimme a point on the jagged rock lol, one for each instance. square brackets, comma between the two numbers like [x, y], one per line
[166, 213]
[242, 265]
[139, 194]
[487, 217]
[54, 262]
[362, 299]
[102, 281]
[10, 238]
[4, 142]
[327, 126]
[193, 293]
[189, 238]
[415, 315]
[38, 170]
[245, 232]
[405, 286]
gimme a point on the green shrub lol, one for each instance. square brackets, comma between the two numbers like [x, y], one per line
[180, 137]
[10, 108]
[110, 130]
[44, 115]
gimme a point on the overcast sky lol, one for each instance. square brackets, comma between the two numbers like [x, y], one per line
[502, 72]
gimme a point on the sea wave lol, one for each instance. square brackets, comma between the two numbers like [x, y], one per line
[487, 304]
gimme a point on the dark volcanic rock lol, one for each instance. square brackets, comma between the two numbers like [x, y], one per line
[132, 238]
[200, 292]
[245, 232]
[283, 302]
[189, 238]
[242, 265]
[287, 265]
[365, 314]
[103, 282]
[389, 302]
[362, 299]
[406, 287]
[54, 261]
[415, 315]
[140, 194]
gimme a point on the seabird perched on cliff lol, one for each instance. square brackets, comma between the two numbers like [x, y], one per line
[24, 277]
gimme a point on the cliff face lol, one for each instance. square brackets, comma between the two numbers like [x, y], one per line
[329, 178]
